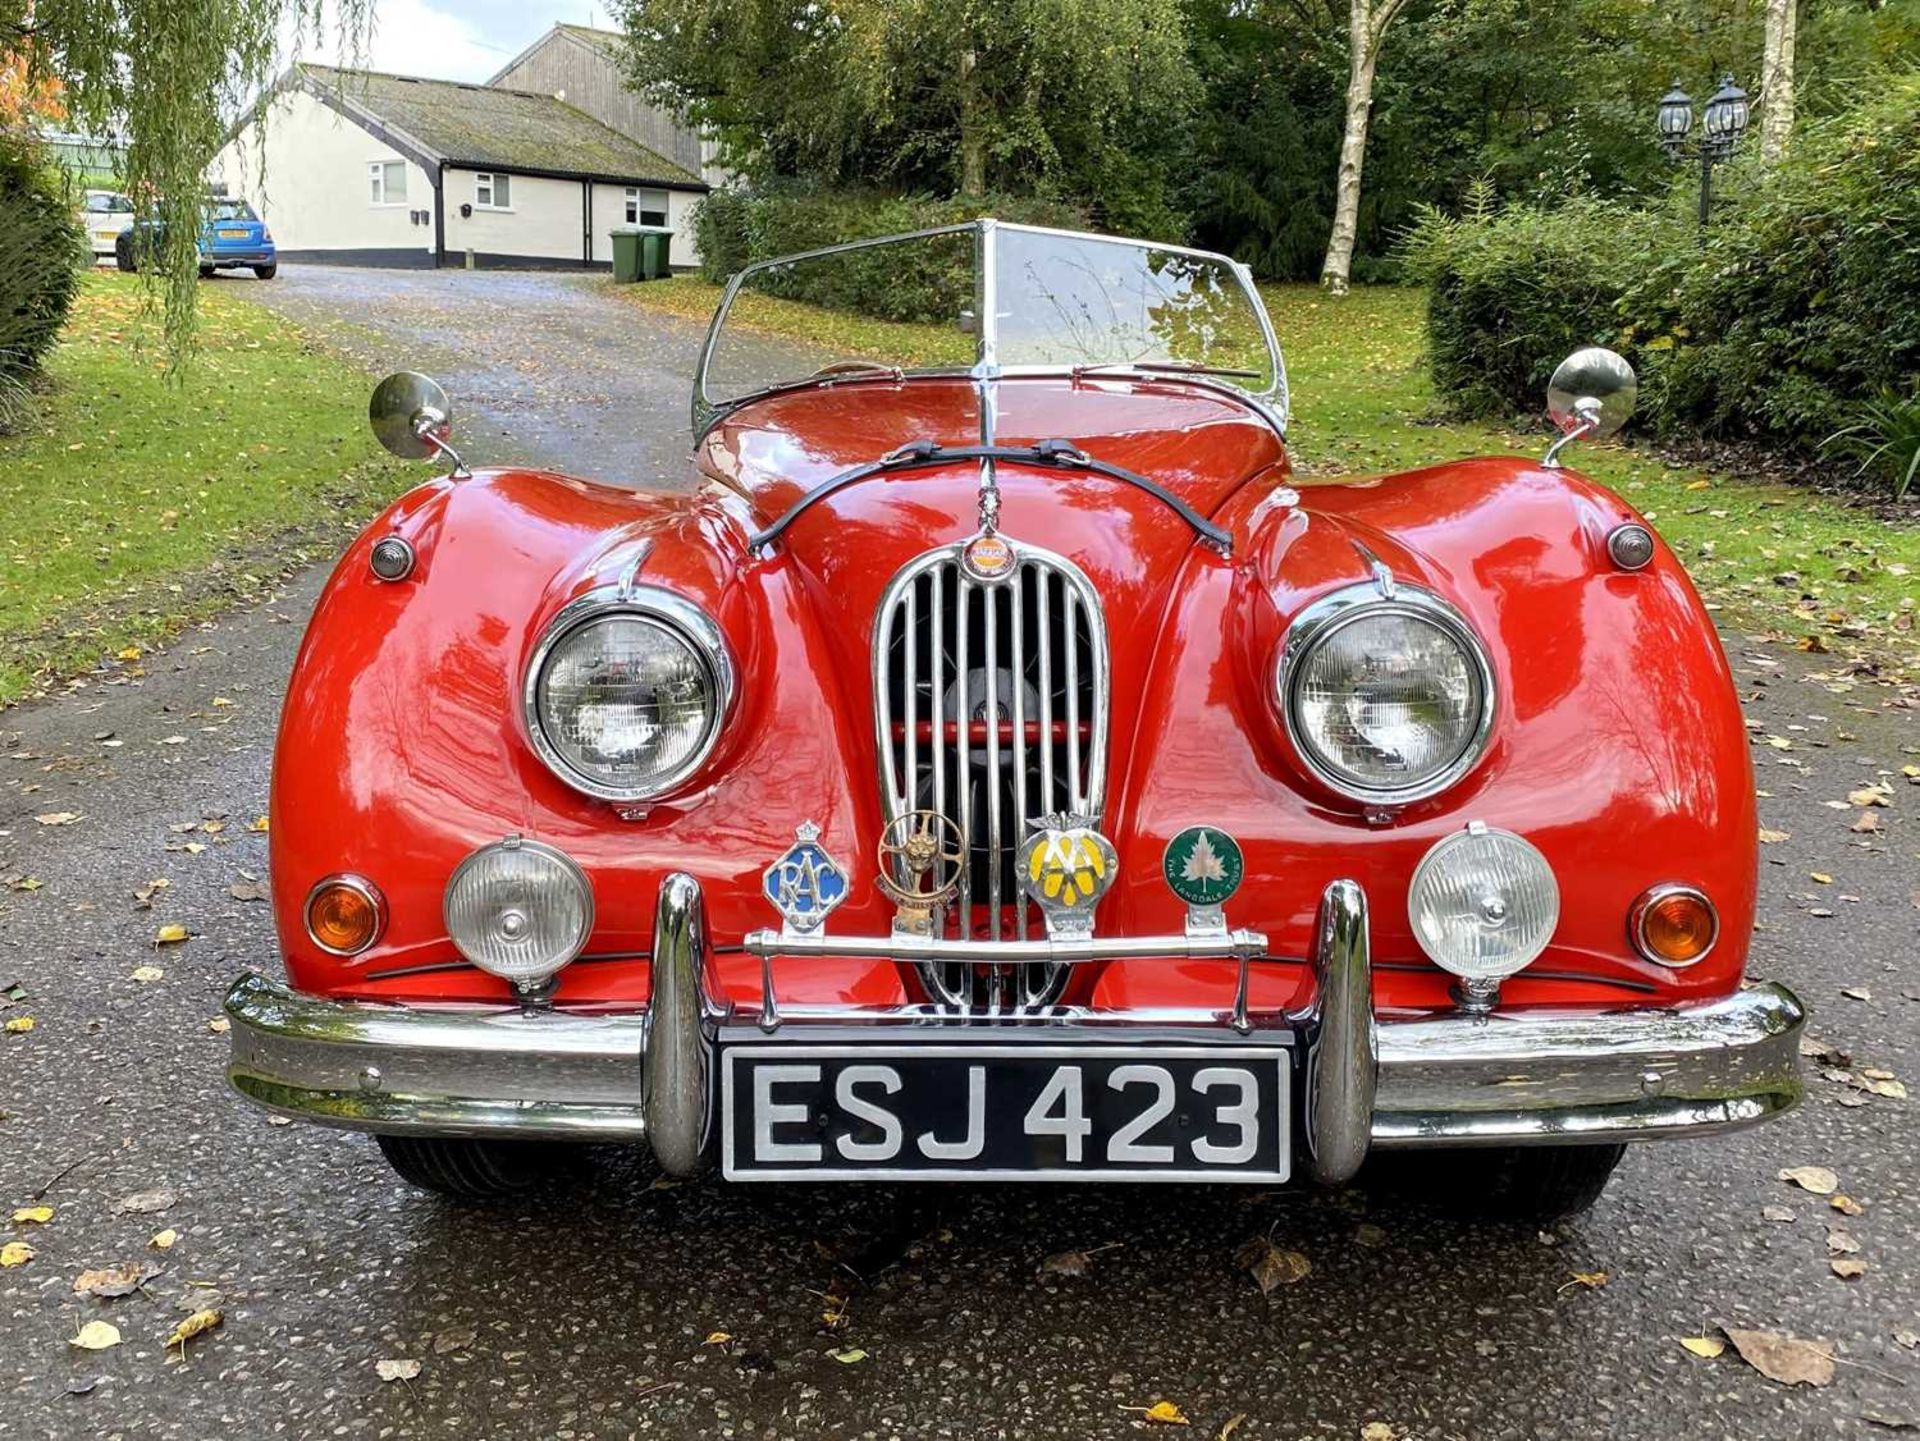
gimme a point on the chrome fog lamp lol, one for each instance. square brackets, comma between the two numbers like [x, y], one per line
[1387, 700]
[1483, 904]
[626, 692]
[520, 910]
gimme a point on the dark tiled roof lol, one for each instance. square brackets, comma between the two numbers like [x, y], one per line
[483, 125]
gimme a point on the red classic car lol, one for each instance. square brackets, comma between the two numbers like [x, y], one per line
[1001, 766]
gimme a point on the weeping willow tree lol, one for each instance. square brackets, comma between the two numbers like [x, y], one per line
[168, 76]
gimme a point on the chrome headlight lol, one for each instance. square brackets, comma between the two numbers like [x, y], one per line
[1388, 700]
[519, 909]
[626, 692]
[1483, 903]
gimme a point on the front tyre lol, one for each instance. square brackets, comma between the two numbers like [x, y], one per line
[1512, 1183]
[477, 1170]
[123, 258]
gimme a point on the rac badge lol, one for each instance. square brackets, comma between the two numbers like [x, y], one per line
[1066, 869]
[806, 883]
[1203, 866]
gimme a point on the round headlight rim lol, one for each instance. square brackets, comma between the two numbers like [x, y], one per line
[680, 618]
[1328, 616]
[590, 911]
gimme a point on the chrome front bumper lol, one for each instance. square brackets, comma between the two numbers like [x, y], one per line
[1528, 1077]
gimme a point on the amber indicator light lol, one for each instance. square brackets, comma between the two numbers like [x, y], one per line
[343, 915]
[1674, 925]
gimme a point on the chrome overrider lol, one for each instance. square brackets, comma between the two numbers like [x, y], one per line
[1514, 1077]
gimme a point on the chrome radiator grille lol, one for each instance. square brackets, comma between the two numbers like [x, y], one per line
[991, 699]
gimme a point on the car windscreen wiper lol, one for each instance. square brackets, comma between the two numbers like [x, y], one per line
[1047, 455]
[1168, 367]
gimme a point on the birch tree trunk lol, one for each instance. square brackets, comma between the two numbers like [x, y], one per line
[1367, 24]
[1776, 80]
[973, 140]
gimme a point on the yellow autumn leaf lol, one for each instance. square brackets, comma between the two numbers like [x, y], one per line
[15, 1253]
[1821, 876]
[19, 1025]
[717, 1338]
[1167, 1413]
[170, 934]
[132, 652]
[198, 1322]
[1704, 1346]
[33, 1215]
[163, 1240]
[96, 1336]
[146, 973]
[258, 823]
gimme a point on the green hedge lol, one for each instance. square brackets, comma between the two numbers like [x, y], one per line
[1801, 304]
[40, 252]
[929, 283]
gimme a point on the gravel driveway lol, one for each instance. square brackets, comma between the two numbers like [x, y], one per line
[631, 1307]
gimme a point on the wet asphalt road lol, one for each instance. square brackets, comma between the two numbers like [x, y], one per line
[588, 1313]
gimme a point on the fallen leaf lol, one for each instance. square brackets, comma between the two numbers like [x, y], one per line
[1909, 1339]
[717, 1338]
[1865, 796]
[1164, 1412]
[1839, 1243]
[19, 1025]
[1817, 1179]
[170, 934]
[396, 1370]
[1376, 1431]
[1892, 1090]
[852, 1356]
[15, 1253]
[1230, 1425]
[454, 1338]
[1270, 1266]
[58, 818]
[258, 823]
[1704, 1346]
[1867, 824]
[1847, 1268]
[1773, 838]
[1847, 1206]
[1369, 1235]
[1856, 993]
[1593, 1280]
[33, 1215]
[111, 1281]
[163, 1240]
[146, 973]
[96, 1336]
[1821, 877]
[145, 1203]
[219, 1025]
[131, 652]
[1783, 1358]
[1073, 1263]
[250, 891]
[1776, 1213]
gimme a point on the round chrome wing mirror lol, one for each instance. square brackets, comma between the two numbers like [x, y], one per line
[1590, 397]
[411, 416]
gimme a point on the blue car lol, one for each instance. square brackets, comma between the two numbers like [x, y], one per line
[231, 237]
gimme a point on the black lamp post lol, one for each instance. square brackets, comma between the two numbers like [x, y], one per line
[1720, 130]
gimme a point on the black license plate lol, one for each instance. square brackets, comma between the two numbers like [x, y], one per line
[1005, 1112]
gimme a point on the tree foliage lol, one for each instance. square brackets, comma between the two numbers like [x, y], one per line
[1075, 99]
[166, 74]
[39, 268]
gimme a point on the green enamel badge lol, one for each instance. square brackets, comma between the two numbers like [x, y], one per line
[1203, 866]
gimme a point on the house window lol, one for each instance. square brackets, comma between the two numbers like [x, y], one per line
[646, 207]
[387, 182]
[492, 191]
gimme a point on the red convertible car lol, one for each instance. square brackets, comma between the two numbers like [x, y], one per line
[1000, 765]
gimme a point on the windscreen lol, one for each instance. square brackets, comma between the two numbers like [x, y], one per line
[1056, 301]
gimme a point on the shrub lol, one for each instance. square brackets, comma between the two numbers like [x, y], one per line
[40, 242]
[927, 283]
[1511, 294]
[1883, 438]
[1798, 308]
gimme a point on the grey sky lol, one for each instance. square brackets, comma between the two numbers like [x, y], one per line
[459, 39]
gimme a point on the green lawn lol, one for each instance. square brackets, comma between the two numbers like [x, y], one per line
[140, 503]
[1362, 402]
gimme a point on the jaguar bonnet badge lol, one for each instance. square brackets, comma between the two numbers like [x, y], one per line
[921, 856]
